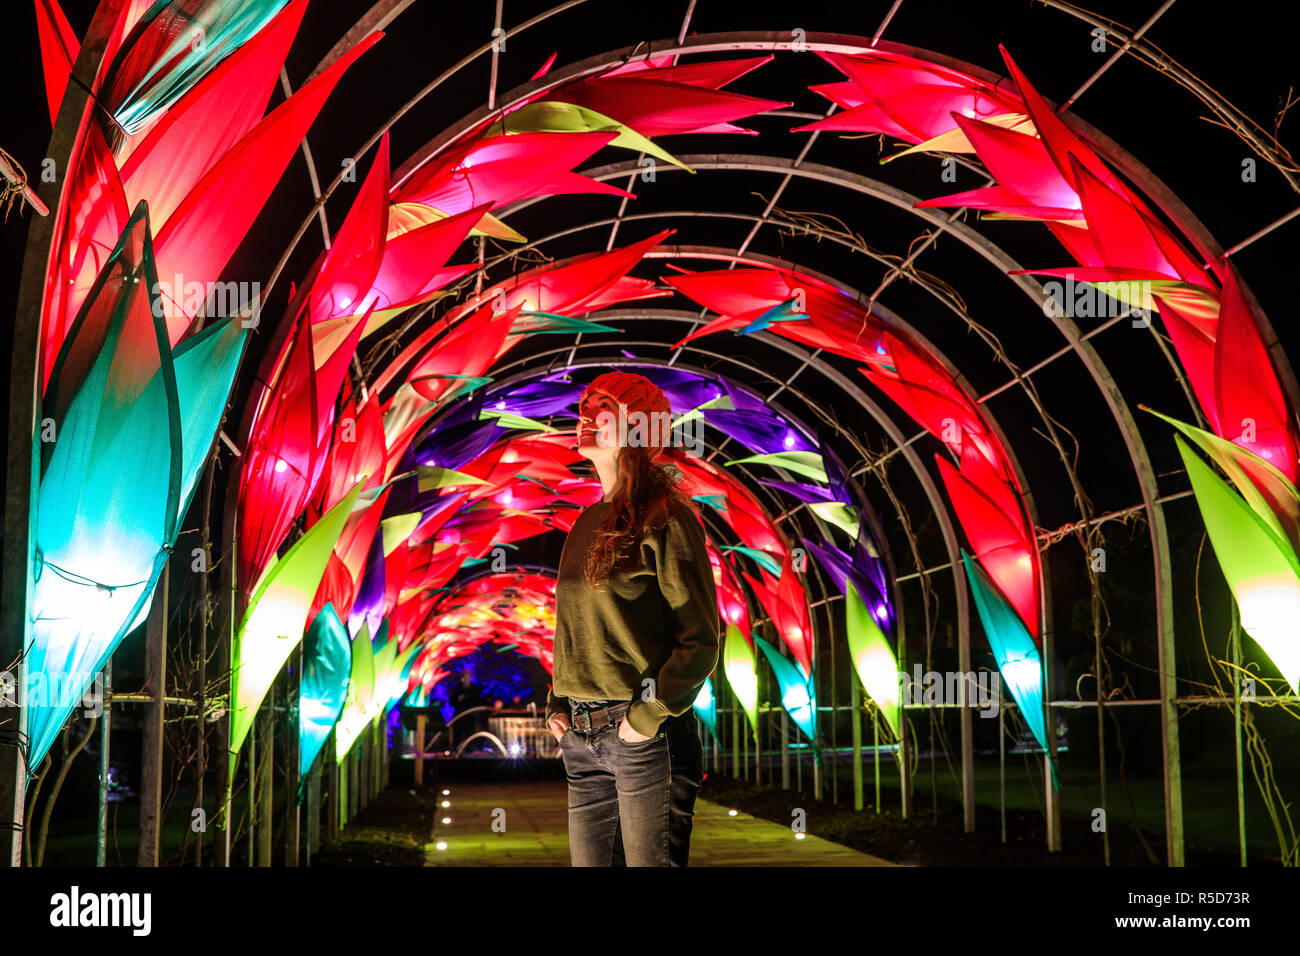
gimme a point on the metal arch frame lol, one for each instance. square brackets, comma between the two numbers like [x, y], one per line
[1280, 362]
[1119, 411]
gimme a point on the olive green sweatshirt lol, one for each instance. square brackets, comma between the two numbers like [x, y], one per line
[648, 634]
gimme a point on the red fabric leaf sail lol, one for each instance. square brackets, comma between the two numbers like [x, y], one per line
[209, 224]
[89, 222]
[656, 107]
[999, 539]
[59, 49]
[503, 169]
[1252, 409]
[210, 119]
[353, 258]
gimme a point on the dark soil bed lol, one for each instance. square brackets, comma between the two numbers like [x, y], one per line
[392, 831]
[920, 841]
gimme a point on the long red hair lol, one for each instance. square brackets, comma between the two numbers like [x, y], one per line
[647, 491]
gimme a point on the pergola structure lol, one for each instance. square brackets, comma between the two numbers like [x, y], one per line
[1046, 397]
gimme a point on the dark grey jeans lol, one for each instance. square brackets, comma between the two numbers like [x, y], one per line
[631, 804]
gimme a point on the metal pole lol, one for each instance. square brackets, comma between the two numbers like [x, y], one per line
[156, 687]
[265, 795]
[1236, 728]
[105, 730]
[856, 702]
[420, 722]
[205, 621]
[785, 752]
[293, 810]
[1002, 766]
[875, 733]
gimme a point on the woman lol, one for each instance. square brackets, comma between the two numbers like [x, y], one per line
[636, 634]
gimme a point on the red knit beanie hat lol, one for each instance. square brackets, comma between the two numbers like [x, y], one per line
[639, 394]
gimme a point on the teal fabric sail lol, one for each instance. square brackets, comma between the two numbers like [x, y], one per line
[326, 668]
[172, 47]
[127, 426]
[797, 696]
[1014, 650]
[706, 706]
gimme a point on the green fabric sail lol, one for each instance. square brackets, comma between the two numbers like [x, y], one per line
[126, 427]
[326, 669]
[361, 689]
[806, 463]
[845, 517]
[552, 116]
[873, 658]
[277, 616]
[1015, 652]
[510, 420]
[797, 695]
[1267, 491]
[738, 666]
[543, 323]
[1261, 569]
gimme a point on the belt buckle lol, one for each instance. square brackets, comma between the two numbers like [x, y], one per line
[582, 722]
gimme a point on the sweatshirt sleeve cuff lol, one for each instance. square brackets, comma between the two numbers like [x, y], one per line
[643, 720]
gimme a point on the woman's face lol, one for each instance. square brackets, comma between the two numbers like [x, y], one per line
[590, 443]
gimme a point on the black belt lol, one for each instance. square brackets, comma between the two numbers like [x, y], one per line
[588, 721]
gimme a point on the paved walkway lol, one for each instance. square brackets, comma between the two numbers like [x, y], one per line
[536, 833]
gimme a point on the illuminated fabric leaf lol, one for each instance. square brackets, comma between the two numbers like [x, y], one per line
[432, 477]
[1268, 492]
[206, 228]
[175, 153]
[551, 116]
[88, 225]
[768, 562]
[671, 100]
[845, 517]
[361, 690]
[1252, 409]
[797, 695]
[1262, 571]
[706, 706]
[873, 658]
[1014, 650]
[998, 534]
[541, 323]
[507, 420]
[739, 667]
[59, 50]
[276, 617]
[134, 422]
[326, 670]
[807, 463]
[172, 47]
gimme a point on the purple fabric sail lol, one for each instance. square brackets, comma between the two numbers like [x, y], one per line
[762, 430]
[536, 399]
[369, 605]
[801, 490]
[835, 474]
[450, 446]
[743, 401]
[867, 581]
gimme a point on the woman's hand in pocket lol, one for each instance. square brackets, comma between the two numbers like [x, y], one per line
[558, 726]
[629, 733]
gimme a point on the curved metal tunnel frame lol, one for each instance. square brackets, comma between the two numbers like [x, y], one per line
[24, 384]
